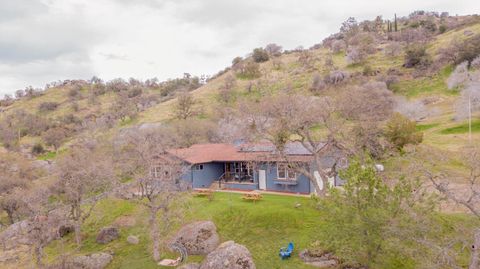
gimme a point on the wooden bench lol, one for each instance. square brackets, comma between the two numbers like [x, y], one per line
[204, 193]
[252, 196]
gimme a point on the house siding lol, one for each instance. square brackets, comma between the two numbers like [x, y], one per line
[204, 178]
[212, 171]
[302, 186]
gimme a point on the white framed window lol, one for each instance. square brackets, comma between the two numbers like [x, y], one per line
[198, 167]
[157, 171]
[285, 172]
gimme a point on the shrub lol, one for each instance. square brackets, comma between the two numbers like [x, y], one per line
[401, 131]
[37, 149]
[369, 71]
[247, 70]
[442, 29]
[277, 63]
[338, 46]
[134, 92]
[355, 55]
[236, 60]
[393, 49]
[470, 49]
[117, 85]
[273, 50]
[317, 83]
[74, 91]
[260, 55]
[306, 58]
[336, 77]
[460, 51]
[19, 94]
[416, 56]
[47, 106]
[475, 63]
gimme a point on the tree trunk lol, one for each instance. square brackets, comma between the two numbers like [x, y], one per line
[154, 233]
[320, 192]
[78, 232]
[38, 249]
[475, 259]
[10, 216]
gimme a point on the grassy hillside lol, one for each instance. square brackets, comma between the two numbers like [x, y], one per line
[104, 109]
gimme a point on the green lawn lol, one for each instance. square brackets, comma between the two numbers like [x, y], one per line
[263, 228]
[462, 128]
[423, 127]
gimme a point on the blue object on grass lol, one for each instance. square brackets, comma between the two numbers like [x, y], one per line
[286, 252]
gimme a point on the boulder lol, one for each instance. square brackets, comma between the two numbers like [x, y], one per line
[93, 261]
[198, 238]
[190, 266]
[229, 255]
[107, 235]
[132, 239]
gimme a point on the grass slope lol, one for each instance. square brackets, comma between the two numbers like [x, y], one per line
[263, 228]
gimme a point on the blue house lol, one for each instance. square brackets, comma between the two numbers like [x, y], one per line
[253, 167]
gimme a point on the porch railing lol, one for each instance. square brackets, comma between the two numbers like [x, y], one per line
[240, 177]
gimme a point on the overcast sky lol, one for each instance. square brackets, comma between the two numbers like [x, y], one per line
[47, 40]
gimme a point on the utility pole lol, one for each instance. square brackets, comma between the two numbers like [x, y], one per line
[470, 116]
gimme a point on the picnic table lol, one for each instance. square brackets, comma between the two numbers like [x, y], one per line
[204, 193]
[252, 196]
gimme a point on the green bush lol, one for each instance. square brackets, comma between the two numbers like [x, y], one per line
[402, 131]
[260, 55]
[416, 56]
[38, 149]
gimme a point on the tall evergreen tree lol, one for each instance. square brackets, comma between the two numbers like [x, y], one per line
[396, 29]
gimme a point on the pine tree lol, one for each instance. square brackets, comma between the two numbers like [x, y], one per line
[396, 29]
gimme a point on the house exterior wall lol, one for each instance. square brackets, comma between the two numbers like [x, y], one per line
[205, 177]
[212, 171]
[302, 183]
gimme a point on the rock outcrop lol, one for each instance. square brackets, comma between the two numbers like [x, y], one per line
[107, 235]
[93, 261]
[198, 238]
[132, 239]
[229, 255]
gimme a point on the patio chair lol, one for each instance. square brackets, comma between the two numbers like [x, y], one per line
[286, 252]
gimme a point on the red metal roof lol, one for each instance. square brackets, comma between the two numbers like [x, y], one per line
[205, 153]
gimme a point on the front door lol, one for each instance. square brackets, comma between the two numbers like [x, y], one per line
[262, 179]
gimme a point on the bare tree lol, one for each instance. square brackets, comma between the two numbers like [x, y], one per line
[43, 223]
[16, 174]
[157, 178]
[459, 76]
[370, 101]
[55, 137]
[184, 106]
[469, 199]
[82, 173]
[282, 119]
[414, 110]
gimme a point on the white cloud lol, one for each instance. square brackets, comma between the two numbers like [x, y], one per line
[45, 40]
